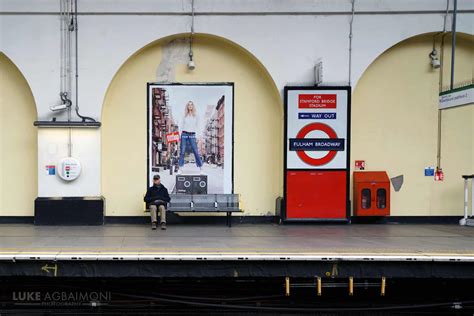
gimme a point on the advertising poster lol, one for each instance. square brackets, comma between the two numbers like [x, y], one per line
[190, 137]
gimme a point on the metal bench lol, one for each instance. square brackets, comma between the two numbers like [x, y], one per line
[220, 203]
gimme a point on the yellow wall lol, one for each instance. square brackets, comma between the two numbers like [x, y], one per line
[258, 117]
[394, 125]
[18, 143]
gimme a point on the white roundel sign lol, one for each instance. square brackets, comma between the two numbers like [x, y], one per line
[69, 169]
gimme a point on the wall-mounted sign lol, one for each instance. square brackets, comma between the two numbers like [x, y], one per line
[359, 165]
[317, 129]
[429, 172]
[69, 169]
[50, 170]
[316, 177]
[457, 97]
[316, 101]
[439, 175]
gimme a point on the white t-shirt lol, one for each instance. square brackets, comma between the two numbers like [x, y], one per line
[189, 124]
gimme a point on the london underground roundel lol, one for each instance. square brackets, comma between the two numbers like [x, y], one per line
[316, 127]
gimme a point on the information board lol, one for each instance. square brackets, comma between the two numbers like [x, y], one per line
[456, 97]
[317, 146]
[317, 129]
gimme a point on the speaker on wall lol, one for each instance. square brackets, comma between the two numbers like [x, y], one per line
[191, 184]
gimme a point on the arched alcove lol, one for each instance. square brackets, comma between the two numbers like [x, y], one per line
[258, 120]
[394, 124]
[18, 143]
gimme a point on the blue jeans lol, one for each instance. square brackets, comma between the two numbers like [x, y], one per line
[189, 139]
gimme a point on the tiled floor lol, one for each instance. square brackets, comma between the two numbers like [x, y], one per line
[443, 240]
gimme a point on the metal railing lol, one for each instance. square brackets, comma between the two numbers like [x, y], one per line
[468, 220]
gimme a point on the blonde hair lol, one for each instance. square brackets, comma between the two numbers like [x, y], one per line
[192, 111]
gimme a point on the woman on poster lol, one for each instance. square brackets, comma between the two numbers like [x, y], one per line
[189, 128]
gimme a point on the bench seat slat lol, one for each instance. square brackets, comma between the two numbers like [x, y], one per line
[220, 203]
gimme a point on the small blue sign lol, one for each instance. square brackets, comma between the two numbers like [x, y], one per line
[317, 116]
[51, 170]
[316, 144]
[429, 172]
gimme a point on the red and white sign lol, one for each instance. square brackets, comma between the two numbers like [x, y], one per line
[327, 157]
[306, 118]
[172, 137]
[360, 164]
[317, 153]
[317, 101]
[439, 175]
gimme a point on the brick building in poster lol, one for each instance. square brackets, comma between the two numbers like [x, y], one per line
[220, 130]
[162, 124]
[213, 133]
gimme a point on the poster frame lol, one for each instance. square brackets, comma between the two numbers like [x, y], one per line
[231, 84]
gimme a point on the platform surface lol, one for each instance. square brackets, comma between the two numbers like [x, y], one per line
[249, 241]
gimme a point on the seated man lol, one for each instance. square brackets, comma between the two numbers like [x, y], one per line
[156, 198]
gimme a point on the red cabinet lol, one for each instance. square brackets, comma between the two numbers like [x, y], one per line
[371, 194]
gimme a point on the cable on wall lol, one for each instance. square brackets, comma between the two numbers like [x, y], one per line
[440, 113]
[191, 64]
[75, 28]
[350, 40]
[65, 59]
[446, 16]
[65, 65]
[453, 42]
[68, 23]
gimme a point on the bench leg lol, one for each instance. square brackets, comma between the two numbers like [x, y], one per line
[229, 219]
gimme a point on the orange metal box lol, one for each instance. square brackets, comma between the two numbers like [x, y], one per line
[371, 193]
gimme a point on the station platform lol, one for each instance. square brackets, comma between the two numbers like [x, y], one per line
[245, 250]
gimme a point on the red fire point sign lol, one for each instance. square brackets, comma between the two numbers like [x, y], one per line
[316, 127]
[317, 101]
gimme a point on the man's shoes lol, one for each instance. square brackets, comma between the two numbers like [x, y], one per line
[163, 226]
[153, 225]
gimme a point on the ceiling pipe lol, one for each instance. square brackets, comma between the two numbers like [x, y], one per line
[350, 41]
[441, 74]
[453, 43]
[84, 118]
